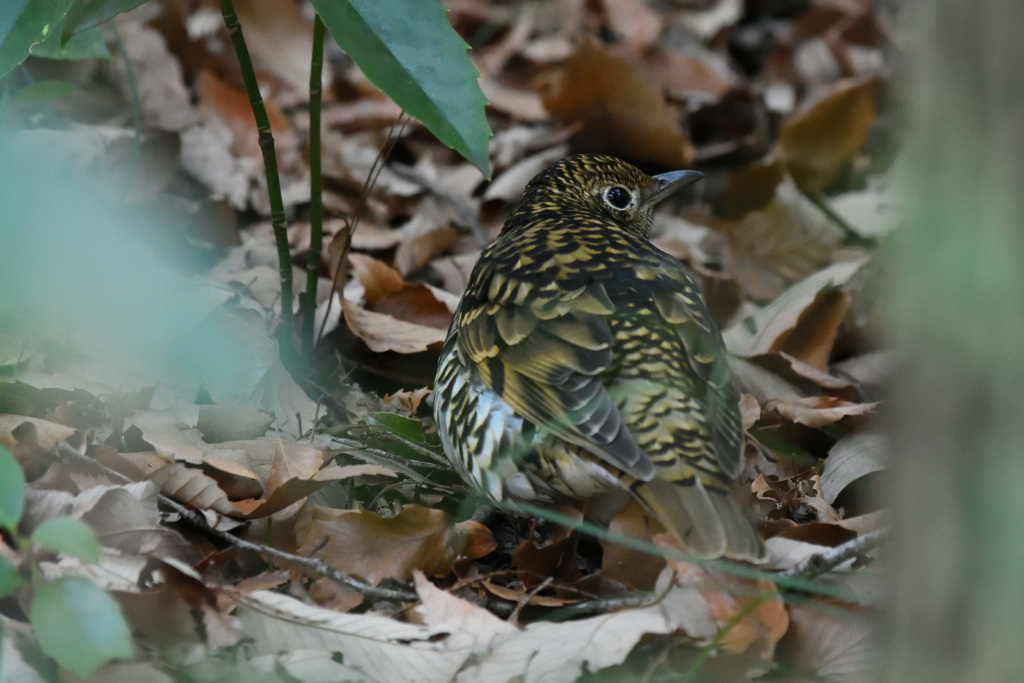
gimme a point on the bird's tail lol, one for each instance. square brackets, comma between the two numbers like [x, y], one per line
[707, 520]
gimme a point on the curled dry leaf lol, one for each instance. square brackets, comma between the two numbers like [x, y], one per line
[620, 110]
[706, 19]
[764, 618]
[362, 543]
[808, 378]
[822, 137]
[767, 330]
[280, 40]
[399, 316]
[27, 437]
[634, 21]
[405, 401]
[834, 647]
[124, 517]
[221, 103]
[228, 468]
[817, 411]
[295, 490]
[523, 105]
[176, 608]
[385, 333]
[750, 410]
[633, 568]
[508, 186]
[786, 553]
[853, 457]
[555, 557]
[223, 422]
[189, 486]
[785, 240]
[684, 75]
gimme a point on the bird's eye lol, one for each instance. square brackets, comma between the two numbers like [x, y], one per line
[618, 197]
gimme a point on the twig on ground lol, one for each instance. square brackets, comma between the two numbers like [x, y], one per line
[833, 557]
[315, 565]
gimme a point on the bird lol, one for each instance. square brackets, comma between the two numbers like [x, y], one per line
[582, 364]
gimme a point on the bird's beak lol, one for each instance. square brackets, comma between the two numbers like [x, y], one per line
[669, 183]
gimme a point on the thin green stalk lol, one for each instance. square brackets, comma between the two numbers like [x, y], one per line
[316, 207]
[133, 89]
[266, 138]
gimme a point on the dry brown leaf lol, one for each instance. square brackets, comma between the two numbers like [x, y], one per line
[555, 557]
[238, 482]
[684, 75]
[819, 533]
[767, 330]
[812, 339]
[785, 240]
[620, 110]
[455, 271]
[817, 411]
[280, 41]
[523, 596]
[634, 21]
[474, 538]
[387, 292]
[378, 279]
[385, 333]
[189, 486]
[365, 112]
[853, 457]
[521, 104]
[293, 461]
[838, 648]
[633, 568]
[219, 101]
[706, 19]
[401, 317]
[765, 622]
[800, 374]
[407, 402]
[29, 436]
[223, 422]
[295, 490]
[750, 410]
[278, 458]
[419, 247]
[374, 548]
[176, 608]
[163, 97]
[817, 141]
[508, 185]
[113, 510]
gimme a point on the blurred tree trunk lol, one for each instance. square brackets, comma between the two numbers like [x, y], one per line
[957, 309]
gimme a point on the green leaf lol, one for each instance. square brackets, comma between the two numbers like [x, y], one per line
[68, 536]
[43, 91]
[86, 15]
[84, 45]
[408, 49]
[12, 490]
[9, 577]
[405, 427]
[23, 23]
[78, 624]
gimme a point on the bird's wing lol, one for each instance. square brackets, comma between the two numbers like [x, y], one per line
[680, 305]
[544, 350]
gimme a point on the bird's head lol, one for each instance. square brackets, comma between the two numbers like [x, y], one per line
[602, 185]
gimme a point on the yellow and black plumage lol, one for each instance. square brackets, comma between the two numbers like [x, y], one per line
[582, 362]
